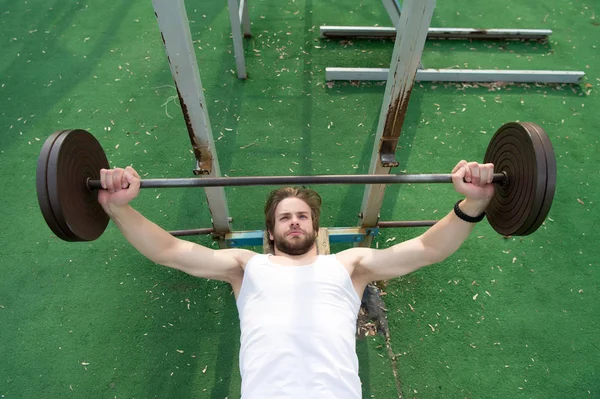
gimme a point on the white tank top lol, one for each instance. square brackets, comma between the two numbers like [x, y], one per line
[298, 327]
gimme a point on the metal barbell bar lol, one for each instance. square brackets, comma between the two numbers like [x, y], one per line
[295, 180]
[70, 161]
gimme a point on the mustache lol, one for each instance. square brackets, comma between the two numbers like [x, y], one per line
[290, 231]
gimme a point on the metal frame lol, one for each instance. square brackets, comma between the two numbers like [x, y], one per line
[393, 9]
[447, 75]
[174, 27]
[336, 235]
[175, 30]
[341, 231]
[384, 32]
[410, 41]
[411, 34]
[238, 16]
[460, 75]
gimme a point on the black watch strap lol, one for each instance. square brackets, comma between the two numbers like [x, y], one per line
[466, 217]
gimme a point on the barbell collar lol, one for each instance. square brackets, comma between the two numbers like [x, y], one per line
[295, 180]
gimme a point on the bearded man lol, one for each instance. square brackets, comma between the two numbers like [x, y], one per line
[298, 309]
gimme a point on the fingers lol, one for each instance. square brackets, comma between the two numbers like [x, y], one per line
[116, 179]
[458, 174]
[131, 178]
[459, 165]
[474, 173]
[489, 170]
[485, 173]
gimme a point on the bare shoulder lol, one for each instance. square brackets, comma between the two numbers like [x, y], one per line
[220, 264]
[353, 257]
[239, 256]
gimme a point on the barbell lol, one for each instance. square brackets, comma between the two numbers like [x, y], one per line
[68, 172]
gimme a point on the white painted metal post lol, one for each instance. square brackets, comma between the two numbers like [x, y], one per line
[236, 33]
[393, 10]
[245, 19]
[175, 30]
[411, 36]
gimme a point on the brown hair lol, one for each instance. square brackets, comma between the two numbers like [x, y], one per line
[311, 197]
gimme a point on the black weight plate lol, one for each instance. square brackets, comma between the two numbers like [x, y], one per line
[41, 182]
[75, 157]
[551, 173]
[519, 153]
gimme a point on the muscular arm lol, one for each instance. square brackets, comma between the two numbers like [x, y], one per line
[123, 185]
[470, 179]
[161, 247]
[435, 245]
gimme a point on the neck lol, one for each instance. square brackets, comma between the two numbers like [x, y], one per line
[311, 253]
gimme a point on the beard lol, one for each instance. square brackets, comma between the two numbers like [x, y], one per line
[295, 245]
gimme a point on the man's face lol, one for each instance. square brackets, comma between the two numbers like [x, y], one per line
[294, 233]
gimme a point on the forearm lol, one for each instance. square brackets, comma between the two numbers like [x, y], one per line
[148, 238]
[447, 235]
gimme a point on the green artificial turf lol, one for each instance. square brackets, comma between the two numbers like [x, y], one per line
[501, 318]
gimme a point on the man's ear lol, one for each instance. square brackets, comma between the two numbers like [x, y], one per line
[271, 236]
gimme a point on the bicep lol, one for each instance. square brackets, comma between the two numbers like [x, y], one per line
[395, 261]
[200, 261]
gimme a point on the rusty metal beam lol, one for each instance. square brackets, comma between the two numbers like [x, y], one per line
[175, 31]
[380, 32]
[411, 36]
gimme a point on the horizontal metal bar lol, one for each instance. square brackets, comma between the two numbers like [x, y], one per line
[380, 32]
[460, 75]
[284, 180]
[336, 234]
[408, 223]
[192, 232]
[488, 34]
[244, 238]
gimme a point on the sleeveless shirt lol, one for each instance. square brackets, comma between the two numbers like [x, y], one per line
[298, 328]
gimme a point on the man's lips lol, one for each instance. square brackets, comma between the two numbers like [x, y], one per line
[295, 233]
